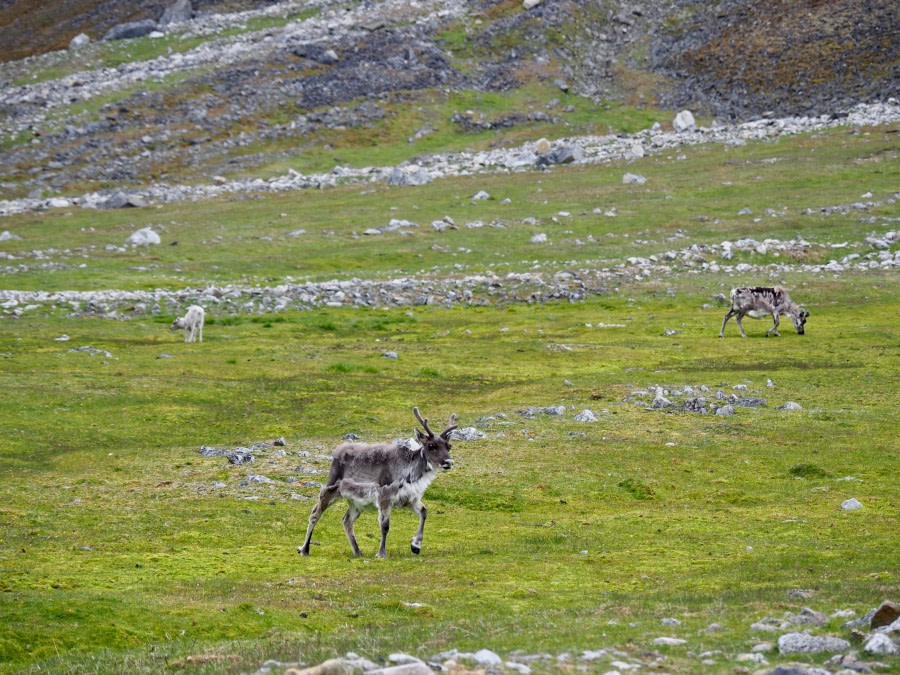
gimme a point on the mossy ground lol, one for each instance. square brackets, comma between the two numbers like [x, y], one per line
[102, 453]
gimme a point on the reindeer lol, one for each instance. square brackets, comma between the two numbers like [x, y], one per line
[383, 476]
[760, 302]
[192, 323]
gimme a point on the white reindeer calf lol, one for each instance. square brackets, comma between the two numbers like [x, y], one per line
[192, 322]
[760, 302]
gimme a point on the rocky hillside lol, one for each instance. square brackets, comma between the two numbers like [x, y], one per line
[308, 84]
[30, 27]
[742, 57]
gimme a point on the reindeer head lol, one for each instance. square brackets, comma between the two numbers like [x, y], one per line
[177, 323]
[799, 319]
[436, 449]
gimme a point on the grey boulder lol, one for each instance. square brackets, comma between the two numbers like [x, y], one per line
[131, 29]
[178, 12]
[803, 643]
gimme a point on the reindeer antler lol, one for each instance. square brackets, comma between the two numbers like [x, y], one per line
[423, 422]
[451, 426]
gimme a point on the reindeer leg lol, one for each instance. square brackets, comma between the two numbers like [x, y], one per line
[737, 320]
[730, 314]
[200, 328]
[419, 509]
[384, 518]
[326, 496]
[774, 329]
[350, 518]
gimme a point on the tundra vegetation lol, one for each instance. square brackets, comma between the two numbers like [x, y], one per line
[123, 549]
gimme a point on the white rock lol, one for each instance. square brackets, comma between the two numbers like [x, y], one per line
[803, 643]
[486, 657]
[540, 238]
[669, 641]
[684, 121]
[790, 405]
[79, 41]
[481, 194]
[143, 237]
[528, 4]
[6, 235]
[586, 416]
[633, 179]
[880, 643]
[466, 434]
[851, 504]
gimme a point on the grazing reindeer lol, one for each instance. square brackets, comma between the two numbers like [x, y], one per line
[383, 476]
[192, 322]
[760, 302]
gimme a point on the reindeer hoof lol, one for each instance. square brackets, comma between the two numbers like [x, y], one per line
[303, 551]
[381, 554]
[415, 549]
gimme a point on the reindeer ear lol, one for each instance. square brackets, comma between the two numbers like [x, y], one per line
[420, 436]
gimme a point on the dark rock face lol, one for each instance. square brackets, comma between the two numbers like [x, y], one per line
[784, 56]
[132, 29]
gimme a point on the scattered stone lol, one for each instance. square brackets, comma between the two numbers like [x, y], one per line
[669, 641]
[390, 355]
[414, 175]
[684, 121]
[485, 657]
[670, 622]
[660, 401]
[529, 4]
[164, 356]
[762, 647]
[237, 457]
[179, 11]
[808, 617]
[880, 643]
[851, 504]
[256, 478]
[143, 237]
[586, 416]
[803, 643]
[466, 434]
[633, 179]
[696, 404]
[800, 594]
[131, 29]
[790, 405]
[79, 41]
[6, 235]
[540, 238]
[566, 154]
[91, 351]
[542, 147]
[280, 442]
[555, 410]
[885, 615]
[481, 195]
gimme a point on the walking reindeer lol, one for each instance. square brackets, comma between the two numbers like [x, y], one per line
[384, 476]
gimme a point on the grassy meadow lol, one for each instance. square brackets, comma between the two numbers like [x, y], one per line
[118, 553]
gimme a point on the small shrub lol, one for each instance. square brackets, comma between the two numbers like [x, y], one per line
[636, 488]
[808, 471]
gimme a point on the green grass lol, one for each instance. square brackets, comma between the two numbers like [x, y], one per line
[118, 554]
